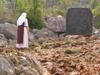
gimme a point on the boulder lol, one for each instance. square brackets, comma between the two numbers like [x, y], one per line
[47, 17]
[3, 39]
[44, 33]
[56, 24]
[10, 62]
[40, 34]
[42, 40]
[13, 59]
[26, 71]
[9, 31]
[35, 65]
[32, 37]
[5, 67]
[79, 21]
[48, 32]
[24, 62]
[34, 31]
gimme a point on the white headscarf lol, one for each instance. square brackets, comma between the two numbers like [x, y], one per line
[21, 19]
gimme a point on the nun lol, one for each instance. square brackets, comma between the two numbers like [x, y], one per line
[23, 32]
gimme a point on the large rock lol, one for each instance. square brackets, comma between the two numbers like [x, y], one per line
[9, 31]
[35, 65]
[56, 24]
[24, 62]
[34, 31]
[42, 39]
[48, 32]
[44, 33]
[5, 67]
[32, 37]
[26, 71]
[79, 21]
[3, 40]
[40, 34]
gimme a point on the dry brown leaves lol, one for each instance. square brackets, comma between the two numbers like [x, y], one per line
[84, 60]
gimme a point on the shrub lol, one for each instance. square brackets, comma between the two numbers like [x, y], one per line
[45, 47]
[67, 42]
[68, 51]
[60, 60]
[97, 20]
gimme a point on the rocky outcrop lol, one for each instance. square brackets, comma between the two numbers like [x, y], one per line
[3, 40]
[32, 37]
[9, 31]
[6, 66]
[22, 65]
[56, 24]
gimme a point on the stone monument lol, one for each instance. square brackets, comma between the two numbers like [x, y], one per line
[79, 21]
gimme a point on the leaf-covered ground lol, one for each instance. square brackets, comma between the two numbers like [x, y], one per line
[75, 56]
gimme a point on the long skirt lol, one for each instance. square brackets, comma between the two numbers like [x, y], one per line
[25, 40]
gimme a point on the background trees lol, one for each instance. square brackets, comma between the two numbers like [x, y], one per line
[37, 9]
[3, 8]
[34, 10]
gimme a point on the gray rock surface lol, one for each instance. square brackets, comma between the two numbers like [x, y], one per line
[56, 24]
[32, 37]
[5, 67]
[3, 39]
[9, 31]
[79, 21]
[44, 33]
[42, 40]
[24, 62]
[34, 31]
[40, 34]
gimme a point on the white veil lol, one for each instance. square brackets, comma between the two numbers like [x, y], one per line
[21, 19]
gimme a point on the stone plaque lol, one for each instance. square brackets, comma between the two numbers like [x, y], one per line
[79, 21]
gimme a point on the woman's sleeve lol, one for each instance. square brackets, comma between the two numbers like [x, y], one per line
[26, 22]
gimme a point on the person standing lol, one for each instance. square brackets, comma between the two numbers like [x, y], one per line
[23, 32]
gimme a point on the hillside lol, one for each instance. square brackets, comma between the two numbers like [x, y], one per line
[75, 56]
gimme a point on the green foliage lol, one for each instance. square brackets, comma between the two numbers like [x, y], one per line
[54, 11]
[97, 9]
[67, 42]
[64, 4]
[22, 6]
[68, 51]
[97, 25]
[78, 59]
[78, 43]
[56, 45]
[60, 60]
[93, 4]
[34, 10]
[45, 47]
[35, 18]
[32, 46]
[3, 8]
[96, 19]
[91, 57]
[41, 42]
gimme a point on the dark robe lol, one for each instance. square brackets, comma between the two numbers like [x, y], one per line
[20, 33]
